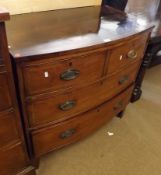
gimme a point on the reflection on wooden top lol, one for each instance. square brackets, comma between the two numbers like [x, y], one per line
[64, 30]
[147, 11]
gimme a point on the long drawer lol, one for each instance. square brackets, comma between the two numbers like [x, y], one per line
[43, 76]
[72, 130]
[55, 108]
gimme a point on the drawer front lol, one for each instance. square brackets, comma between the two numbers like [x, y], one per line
[127, 54]
[62, 74]
[59, 107]
[8, 128]
[74, 129]
[12, 160]
[1, 61]
[5, 101]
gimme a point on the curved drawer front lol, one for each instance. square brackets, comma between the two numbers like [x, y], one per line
[54, 76]
[127, 54]
[59, 107]
[5, 101]
[8, 131]
[72, 130]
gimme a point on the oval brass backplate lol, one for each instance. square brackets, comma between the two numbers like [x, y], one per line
[132, 54]
[118, 106]
[123, 79]
[70, 74]
[68, 133]
[67, 105]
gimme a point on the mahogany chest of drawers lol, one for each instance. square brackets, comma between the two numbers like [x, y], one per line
[71, 81]
[66, 97]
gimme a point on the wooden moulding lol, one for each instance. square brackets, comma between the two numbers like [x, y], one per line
[28, 171]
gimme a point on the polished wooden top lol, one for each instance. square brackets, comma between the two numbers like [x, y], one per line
[147, 11]
[55, 32]
[4, 14]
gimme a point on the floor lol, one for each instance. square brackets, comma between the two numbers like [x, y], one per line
[134, 149]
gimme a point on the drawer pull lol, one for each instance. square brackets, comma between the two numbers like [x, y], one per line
[118, 106]
[132, 54]
[68, 133]
[70, 75]
[67, 105]
[124, 79]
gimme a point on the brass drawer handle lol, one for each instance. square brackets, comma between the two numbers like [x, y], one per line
[118, 106]
[67, 105]
[68, 133]
[70, 74]
[124, 79]
[132, 54]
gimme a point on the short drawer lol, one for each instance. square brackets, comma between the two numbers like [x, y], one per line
[13, 159]
[62, 74]
[72, 130]
[5, 100]
[8, 128]
[127, 53]
[55, 108]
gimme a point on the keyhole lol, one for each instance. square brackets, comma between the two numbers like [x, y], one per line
[98, 110]
[70, 64]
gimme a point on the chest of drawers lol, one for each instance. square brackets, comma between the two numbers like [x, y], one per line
[67, 97]
[70, 82]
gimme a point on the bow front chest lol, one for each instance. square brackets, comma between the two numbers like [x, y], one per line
[74, 71]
